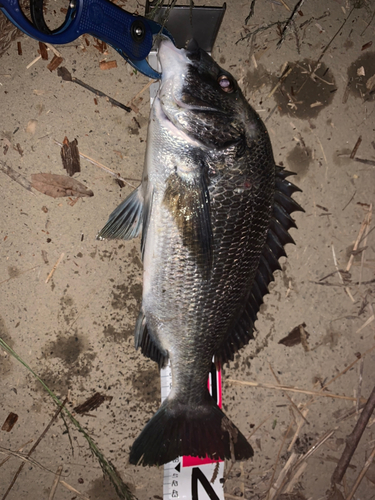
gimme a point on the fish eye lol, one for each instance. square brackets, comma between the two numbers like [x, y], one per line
[225, 83]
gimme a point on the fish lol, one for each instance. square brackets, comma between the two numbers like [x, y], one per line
[214, 212]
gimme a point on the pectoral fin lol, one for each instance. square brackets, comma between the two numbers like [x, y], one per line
[187, 199]
[125, 221]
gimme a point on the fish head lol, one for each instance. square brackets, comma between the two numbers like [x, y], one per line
[202, 99]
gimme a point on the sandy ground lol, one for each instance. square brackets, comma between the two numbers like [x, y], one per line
[76, 331]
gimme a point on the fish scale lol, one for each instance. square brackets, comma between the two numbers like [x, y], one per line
[215, 214]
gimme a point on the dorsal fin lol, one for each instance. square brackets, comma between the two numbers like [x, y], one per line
[277, 237]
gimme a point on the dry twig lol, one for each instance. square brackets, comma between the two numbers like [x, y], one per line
[353, 439]
[334, 36]
[355, 149]
[66, 76]
[55, 267]
[15, 176]
[289, 21]
[251, 13]
[362, 474]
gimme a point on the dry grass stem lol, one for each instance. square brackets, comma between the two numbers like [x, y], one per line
[16, 176]
[357, 241]
[279, 483]
[362, 474]
[22, 272]
[281, 79]
[287, 395]
[293, 389]
[24, 458]
[359, 387]
[103, 167]
[270, 488]
[70, 488]
[285, 5]
[315, 447]
[33, 62]
[55, 483]
[294, 467]
[259, 426]
[367, 230]
[54, 50]
[298, 430]
[147, 86]
[349, 367]
[336, 265]
[55, 267]
[17, 451]
[366, 323]
[242, 481]
[293, 480]
[347, 290]
[53, 419]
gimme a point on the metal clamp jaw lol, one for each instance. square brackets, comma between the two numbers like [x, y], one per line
[131, 36]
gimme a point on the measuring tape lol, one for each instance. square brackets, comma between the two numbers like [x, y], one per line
[193, 478]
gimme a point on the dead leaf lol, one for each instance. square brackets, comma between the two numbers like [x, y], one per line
[18, 148]
[104, 65]
[92, 403]
[59, 185]
[10, 422]
[43, 51]
[55, 63]
[45, 256]
[361, 71]
[297, 336]
[6, 145]
[31, 127]
[70, 156]
[99, 45]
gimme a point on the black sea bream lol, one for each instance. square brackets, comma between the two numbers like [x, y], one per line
[214, 211]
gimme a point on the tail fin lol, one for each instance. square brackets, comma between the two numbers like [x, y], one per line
[176, 430]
